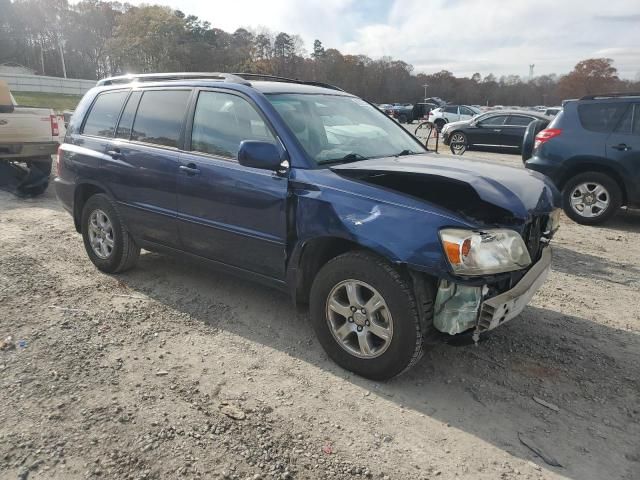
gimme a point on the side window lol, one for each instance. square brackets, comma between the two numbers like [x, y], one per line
[126, 120]
[104, 114]
[624, 125]
[636, 119]
[451, 109]
[494, 121]
[221, 121]
[466, 111]
[519, 120]
[601, 117]
[160, 116]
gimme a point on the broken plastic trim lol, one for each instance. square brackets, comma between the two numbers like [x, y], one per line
[456, 307]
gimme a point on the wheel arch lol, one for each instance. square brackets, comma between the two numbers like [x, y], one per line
[591, 166]
[82, 193]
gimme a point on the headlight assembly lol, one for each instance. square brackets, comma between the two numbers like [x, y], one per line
[484, 252]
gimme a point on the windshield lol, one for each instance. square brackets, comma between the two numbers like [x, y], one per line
[336, 128]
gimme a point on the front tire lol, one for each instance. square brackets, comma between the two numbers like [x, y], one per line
[365, 316]
[591, 198]
[458, 143]
[108, 243]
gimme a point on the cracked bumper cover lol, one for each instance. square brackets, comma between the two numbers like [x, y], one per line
[505, 306]
[459, 308]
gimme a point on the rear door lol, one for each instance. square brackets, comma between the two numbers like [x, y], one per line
[142, 163]
[513, 130]
[229, 213]
[623, 150]
[451, 113]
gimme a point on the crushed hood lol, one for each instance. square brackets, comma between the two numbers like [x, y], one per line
[518, 191]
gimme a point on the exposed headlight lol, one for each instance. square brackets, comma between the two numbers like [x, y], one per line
[554, 221]
[484, 252]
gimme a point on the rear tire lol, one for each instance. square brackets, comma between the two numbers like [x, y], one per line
[108, 243]
[591, 198]
[439, 123]
[380, 359]
[402, 118]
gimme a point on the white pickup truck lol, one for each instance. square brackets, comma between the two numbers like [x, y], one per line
[28, 138]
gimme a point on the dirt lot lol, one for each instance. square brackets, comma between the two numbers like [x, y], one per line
[174, 371]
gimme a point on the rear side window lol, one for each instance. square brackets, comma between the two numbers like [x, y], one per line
[103, 116]
[160, 116]
[221, 121]
[601, 117]
[519, 120]
[451, 109]
[126, 120]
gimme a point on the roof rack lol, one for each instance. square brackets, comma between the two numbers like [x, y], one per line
[160, 77]
[610, 95]
[286, 80]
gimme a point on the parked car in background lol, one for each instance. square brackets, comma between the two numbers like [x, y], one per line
[591, 151]
[28, 138]
[500, 129]
[552, 111]
[451, 113]
[313, 191]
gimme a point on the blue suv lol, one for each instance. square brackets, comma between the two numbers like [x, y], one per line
[314, 191]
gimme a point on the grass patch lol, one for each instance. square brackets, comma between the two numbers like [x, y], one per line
[56, 101]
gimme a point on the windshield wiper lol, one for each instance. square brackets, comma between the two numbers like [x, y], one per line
[405, 152]
[349, 157]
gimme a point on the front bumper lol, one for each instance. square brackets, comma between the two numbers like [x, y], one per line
[505, 306]
[460, 308]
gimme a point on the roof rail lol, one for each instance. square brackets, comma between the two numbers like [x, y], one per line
[286, 80]
[160, 77]
[610, 95]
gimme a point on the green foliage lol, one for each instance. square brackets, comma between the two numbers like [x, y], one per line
[56, 101]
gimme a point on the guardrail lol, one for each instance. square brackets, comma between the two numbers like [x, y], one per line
[39, 83]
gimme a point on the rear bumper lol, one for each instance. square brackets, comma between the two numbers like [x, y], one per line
[64, 192]
[502, 308]
[550, 169]
[19, 151]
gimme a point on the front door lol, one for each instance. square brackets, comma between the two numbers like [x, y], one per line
[489, 130]
[229, 213]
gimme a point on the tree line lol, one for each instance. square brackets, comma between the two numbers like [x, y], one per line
[93, 39]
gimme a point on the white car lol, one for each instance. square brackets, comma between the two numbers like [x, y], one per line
[451, 113]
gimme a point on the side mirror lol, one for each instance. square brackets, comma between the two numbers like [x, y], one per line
[263, 155]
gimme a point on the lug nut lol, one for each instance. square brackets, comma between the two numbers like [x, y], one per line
[353, 309]
[359, 328]
[350, 319]
[363, 310]
[367, 323]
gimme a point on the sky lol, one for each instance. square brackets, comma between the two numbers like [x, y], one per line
[502, 37]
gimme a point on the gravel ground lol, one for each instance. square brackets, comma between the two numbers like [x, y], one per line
[174, 371]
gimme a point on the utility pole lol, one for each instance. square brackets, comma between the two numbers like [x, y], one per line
[64, 68]
[425, 92]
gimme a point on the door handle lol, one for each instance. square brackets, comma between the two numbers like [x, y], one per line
[190, 169]
[115, 153]
[623, 147]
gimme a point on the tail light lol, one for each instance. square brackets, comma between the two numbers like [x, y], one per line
[55, 131]
[59, 161]
[546, 135]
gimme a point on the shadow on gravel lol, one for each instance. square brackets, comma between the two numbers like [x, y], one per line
[588, 370]
[585, 265]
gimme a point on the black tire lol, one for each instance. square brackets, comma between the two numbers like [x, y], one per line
[402, 118]
[36, 173]
[460, 145]
[613, 192]
[406, 345]
[439, 123]
[533, 129]
[125, 252]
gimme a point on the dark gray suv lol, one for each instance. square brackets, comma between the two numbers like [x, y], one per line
[591, 151]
